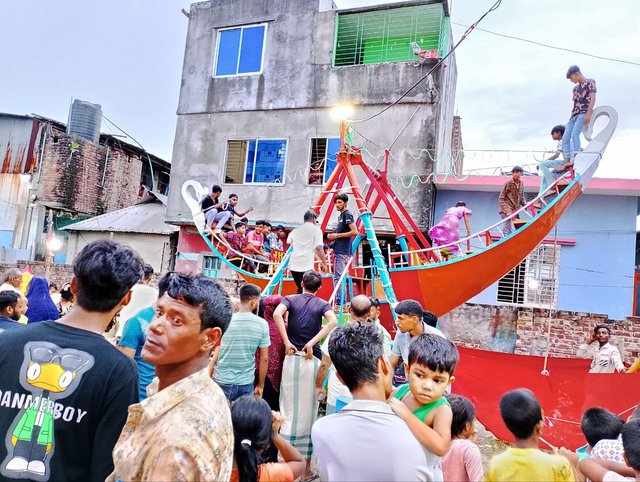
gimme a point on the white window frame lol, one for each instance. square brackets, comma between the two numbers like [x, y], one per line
[531, 297]
[241, 27]
[324, 171]
[249, 139]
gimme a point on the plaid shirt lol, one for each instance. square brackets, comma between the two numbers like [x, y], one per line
[237, 243]
[511, 197]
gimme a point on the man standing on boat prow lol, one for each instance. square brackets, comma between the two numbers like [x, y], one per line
[511, 198]
[345, 231]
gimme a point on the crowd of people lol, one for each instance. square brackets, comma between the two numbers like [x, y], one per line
[199, 388]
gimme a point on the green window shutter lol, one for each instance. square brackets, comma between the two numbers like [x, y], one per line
[386, 35]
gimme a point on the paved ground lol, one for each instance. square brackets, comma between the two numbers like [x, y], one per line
[489, 445]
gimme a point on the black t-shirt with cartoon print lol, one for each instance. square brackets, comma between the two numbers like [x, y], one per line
[64, 397]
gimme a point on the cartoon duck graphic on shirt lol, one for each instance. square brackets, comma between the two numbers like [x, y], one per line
[50, 373]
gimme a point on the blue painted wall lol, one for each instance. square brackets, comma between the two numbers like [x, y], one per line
[596, 275]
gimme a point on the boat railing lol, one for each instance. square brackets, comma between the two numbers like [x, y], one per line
[480, 240]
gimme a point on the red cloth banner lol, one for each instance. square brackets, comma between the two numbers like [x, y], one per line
[565, 394]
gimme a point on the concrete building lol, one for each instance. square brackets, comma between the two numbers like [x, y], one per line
[260, 79]
[593, 267]
[140, 226]
[51, 178]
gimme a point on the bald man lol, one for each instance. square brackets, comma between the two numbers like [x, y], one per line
[358, 313]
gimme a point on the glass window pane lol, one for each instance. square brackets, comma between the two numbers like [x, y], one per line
[270, 156]
[228, 48]
[333, 146]
[251, 51]
[251, 157]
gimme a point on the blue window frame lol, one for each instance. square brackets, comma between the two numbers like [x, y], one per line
[211, 266]
[256, 161]
[240, 50]
[323, 159]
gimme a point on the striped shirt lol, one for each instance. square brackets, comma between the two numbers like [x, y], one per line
[236, 361]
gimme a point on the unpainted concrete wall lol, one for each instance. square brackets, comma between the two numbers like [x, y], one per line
[291, 99]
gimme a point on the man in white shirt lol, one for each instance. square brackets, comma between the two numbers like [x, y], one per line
[12, 280]
[306, 242]
[606, 357]
[366, 440]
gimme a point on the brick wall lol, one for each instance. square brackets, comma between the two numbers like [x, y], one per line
[520, 330]
[570, 329]
[60, 273]
[72, 178]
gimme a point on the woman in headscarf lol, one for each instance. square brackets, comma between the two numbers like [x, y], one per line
[41, 307]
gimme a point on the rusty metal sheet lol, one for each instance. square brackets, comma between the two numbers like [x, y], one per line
[19, 138]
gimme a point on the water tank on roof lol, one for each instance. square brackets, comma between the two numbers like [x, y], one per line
[85, 120]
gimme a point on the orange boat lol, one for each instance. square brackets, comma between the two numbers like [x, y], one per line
[418, 272]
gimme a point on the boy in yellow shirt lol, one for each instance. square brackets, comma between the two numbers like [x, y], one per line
[524, 462]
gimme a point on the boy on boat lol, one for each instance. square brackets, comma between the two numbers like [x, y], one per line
[511, 198]
[584, 98]
[550, 168]
[345, 231]
[421, 403]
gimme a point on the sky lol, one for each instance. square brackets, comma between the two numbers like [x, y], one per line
[127, 56]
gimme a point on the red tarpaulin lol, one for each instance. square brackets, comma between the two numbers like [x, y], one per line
[569, 390]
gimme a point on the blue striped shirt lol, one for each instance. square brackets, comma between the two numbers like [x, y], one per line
[236, 361]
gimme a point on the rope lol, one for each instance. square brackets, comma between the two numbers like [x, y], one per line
[544, 371]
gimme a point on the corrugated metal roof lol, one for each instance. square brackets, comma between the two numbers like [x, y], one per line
[146, 217]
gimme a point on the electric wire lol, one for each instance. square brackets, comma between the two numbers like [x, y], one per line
[540, 44]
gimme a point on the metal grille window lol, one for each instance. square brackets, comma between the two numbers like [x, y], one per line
[534, 282]
[256, 161]
[211, 266]
[386, 35]
[322, 159]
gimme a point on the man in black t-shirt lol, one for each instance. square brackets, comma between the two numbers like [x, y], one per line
[64, 389]
[304, 329]
[342, 238]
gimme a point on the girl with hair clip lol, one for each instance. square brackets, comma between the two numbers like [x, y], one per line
[255, 428]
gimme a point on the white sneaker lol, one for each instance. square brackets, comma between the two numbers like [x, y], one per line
[17, 464]
[36, 467]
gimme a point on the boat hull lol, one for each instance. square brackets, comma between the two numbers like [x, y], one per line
[444, 286]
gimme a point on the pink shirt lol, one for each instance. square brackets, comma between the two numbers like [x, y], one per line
[255, 239]
[462, 462]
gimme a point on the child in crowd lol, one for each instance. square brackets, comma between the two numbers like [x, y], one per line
[255, 428]
[599, 424]
[524, 462]
[463, 461]
[600, 471]
[421, 403]
[612, 449]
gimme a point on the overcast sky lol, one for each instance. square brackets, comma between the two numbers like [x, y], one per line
[127, 56]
